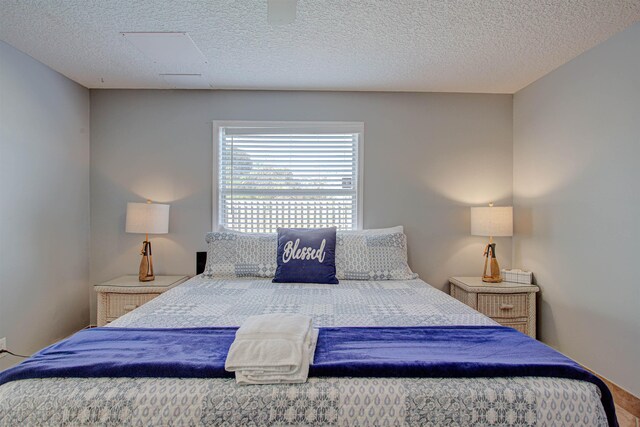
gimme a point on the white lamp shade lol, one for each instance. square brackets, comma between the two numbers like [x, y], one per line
[496, 221]
[147, 218]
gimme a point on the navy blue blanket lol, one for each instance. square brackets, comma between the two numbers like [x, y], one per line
[435, 351]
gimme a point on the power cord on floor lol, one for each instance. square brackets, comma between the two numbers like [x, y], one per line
[13, 354]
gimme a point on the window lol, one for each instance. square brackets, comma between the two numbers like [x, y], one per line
[289, 174]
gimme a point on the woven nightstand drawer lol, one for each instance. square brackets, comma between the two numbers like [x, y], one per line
[518, 326]
[503, 305]
[119, 304]
[510, 304]
[126, 293]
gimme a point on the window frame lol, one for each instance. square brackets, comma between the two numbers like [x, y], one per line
[337, 126]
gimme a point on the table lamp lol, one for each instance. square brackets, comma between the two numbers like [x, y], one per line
[147, 218]
[492, 222]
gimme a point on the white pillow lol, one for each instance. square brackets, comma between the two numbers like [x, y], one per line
[376, 254]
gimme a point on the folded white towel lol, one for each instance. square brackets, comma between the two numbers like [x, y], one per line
[273, 354]
[268, 376]
[277, 325]
[273, 348]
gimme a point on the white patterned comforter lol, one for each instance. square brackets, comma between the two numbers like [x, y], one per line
[321, 401]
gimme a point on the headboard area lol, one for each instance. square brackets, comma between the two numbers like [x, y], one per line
[201, 260]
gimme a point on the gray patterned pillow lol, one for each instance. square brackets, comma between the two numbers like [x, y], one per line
[377, 254]
[235, 254]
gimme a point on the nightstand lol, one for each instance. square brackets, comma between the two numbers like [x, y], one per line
[510, 304]
[119, 296]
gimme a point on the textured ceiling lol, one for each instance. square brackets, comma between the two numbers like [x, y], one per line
[496, 46]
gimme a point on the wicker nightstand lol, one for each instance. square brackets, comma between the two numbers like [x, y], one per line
[119, 296]
[510, 304]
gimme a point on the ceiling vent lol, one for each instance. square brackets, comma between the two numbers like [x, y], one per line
[185, 81]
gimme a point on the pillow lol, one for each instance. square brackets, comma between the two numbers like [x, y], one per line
[379, 254]
[234, 254]
[306, 255]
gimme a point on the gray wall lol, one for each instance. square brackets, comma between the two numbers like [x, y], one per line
[577, 198]
[44, 204]
[428, 157]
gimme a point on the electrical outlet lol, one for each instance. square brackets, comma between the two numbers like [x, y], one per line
[3, 346]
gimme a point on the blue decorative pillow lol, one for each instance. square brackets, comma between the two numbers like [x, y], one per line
[306, 255]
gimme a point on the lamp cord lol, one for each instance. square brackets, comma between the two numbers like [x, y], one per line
[13, 354]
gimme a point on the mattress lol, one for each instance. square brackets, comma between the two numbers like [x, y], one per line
[523, 401]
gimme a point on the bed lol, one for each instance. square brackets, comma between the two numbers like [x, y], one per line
[321, 401]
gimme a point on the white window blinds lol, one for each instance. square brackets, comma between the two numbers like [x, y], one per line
[289, 175]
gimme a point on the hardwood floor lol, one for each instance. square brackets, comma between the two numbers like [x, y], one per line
[626, 419]
[627, 405]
